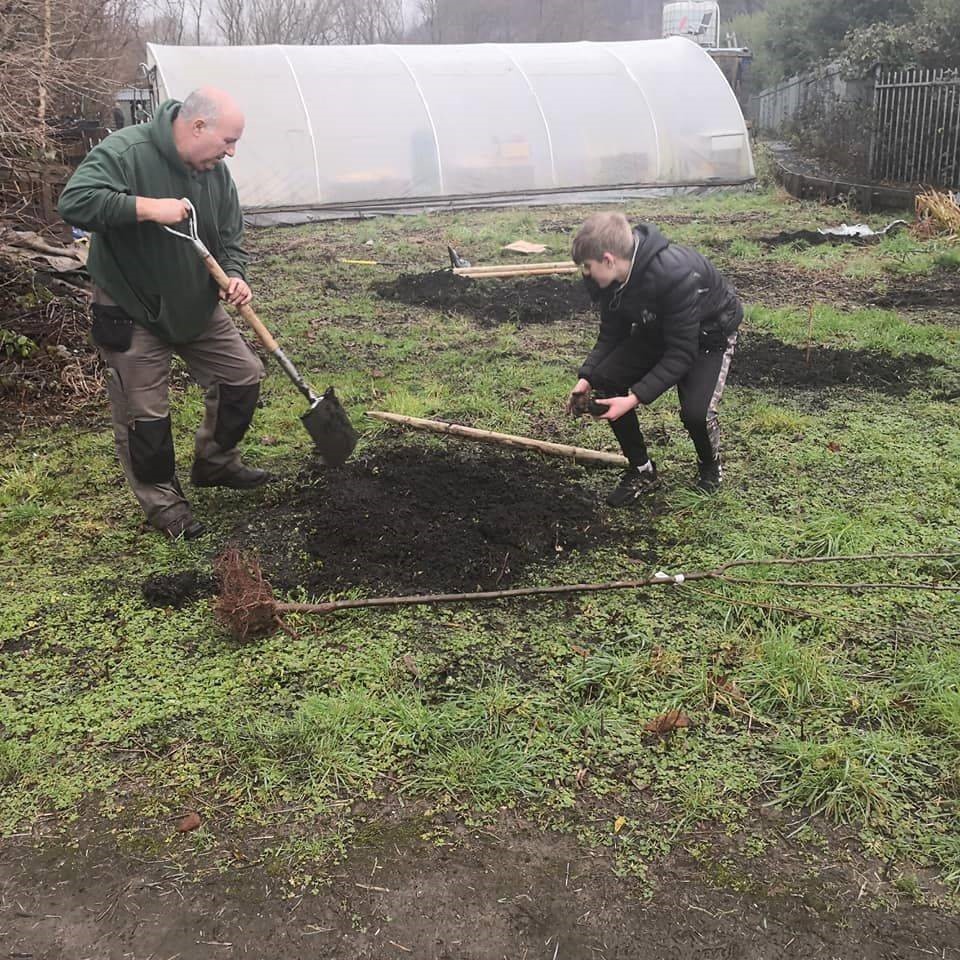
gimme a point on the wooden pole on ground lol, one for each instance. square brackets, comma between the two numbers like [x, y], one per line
[516, 270]
[577, 454]
[534, 265]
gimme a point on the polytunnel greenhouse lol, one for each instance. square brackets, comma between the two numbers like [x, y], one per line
[354, 129]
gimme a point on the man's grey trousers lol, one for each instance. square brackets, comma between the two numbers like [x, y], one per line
[138, 380]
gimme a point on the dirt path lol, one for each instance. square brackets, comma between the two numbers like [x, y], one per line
[516, 893]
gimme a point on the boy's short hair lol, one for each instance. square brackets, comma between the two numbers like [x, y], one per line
[602, 233]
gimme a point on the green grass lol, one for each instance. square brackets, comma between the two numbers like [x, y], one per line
[817, 701]
[881, 330]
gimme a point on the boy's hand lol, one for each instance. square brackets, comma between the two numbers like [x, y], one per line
[618, 406]
[582, 387]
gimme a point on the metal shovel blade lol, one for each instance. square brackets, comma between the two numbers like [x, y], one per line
[329, 426]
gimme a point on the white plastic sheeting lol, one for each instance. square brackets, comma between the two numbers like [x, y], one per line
[391, 127]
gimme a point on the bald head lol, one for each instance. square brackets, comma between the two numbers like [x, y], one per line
[208, 103]
[207, 128]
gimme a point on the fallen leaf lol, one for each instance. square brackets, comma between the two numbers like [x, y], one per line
[410, 665]
[580, 651]
[619, 824]
[833, 446]
[376, 373]
[190, 822]
[667, 722]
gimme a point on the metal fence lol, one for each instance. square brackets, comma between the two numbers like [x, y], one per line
[916, 128]
[900, 126]
[780, 107]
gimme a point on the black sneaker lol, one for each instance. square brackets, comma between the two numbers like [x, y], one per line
[635, 482]
[709, 476]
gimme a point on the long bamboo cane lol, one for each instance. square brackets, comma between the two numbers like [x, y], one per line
[577, 454]
[521, 271]
[494, 267]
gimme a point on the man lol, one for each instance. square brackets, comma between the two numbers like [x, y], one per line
[153, 296]
[667, 318]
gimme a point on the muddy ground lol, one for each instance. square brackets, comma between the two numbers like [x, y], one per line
[553, 299]
[510, 891]
[522, 300]
[409, 517]
[61, 381]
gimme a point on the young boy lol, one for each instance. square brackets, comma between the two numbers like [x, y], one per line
[667, 318]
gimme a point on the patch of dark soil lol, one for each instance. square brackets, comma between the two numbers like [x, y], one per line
[518, 300]
[765, 362]
[564, 225]
[939, 290]
[785, 285]
[24, 641]
[410, 518]
[812, 238]
[514, 891]
[177, 589]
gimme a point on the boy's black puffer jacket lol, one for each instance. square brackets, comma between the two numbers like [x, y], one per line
[676, 300]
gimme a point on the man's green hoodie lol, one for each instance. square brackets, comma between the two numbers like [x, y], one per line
[157, 279]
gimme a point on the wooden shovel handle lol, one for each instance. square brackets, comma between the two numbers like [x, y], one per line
[246, 311]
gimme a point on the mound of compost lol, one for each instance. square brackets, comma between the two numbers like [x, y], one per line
[766, 362]
[415, 519]
[517, 300]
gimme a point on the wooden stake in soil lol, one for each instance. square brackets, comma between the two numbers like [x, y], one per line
[577, 454]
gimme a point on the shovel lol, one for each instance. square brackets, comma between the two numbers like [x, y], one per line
[326, 421]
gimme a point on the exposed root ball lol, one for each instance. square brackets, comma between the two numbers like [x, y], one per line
[246, 605]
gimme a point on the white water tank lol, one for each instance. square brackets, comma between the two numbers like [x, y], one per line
[698, 20]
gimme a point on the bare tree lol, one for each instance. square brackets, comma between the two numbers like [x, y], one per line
[291, 21]
[458, 21]
[55, 55]
[431, 19]
[176, 22]
[308, 21]
[369, 21]
[230, 17]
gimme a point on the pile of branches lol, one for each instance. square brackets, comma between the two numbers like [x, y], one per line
[48, 368]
